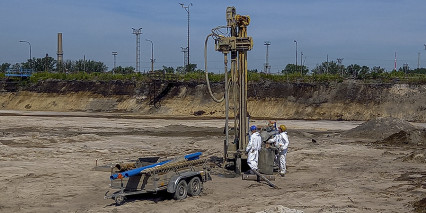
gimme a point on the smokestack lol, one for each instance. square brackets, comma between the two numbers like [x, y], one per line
[60, 52]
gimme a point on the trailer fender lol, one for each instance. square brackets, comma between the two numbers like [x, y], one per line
[171, 187]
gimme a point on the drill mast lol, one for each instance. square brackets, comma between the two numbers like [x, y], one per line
[237, 43]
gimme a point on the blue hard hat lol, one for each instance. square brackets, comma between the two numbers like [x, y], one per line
[253, 128]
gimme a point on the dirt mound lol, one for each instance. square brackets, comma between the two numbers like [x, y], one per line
[379, 128]
[420, 206]
[415, 137]
[415, 157]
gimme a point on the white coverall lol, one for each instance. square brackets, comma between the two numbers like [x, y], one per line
[281, 142]
[252, 149]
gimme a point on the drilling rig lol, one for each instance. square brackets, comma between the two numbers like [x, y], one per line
[236, 42]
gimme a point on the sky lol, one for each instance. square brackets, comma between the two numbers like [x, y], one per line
[364, 32]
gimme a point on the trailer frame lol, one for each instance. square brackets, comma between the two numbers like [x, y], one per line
[178, 178]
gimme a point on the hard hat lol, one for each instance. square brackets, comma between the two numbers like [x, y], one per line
[283, 128]
[252, 128]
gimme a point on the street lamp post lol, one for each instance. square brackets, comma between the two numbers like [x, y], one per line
[296, 53]
[152, 55]
[187, 10]
[30, 51]
[114, 54]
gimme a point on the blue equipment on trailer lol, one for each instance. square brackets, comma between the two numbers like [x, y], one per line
[181, 176]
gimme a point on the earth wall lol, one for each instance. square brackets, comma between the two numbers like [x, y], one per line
[348, 100]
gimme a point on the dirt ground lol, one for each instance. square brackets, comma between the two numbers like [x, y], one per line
[47, 163]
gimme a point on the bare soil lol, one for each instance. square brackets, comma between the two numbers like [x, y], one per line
[47, 164]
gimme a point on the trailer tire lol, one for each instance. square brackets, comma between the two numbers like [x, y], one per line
[181, 190]
[119, 200]
[195, 186]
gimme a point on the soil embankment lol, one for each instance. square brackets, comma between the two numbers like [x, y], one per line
[349, 100]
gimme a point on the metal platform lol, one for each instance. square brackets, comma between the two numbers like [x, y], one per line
[23, 73]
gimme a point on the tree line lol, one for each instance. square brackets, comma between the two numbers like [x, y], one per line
[49, 64]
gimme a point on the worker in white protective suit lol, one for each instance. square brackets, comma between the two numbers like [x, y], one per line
[281, 142]
[253, 148]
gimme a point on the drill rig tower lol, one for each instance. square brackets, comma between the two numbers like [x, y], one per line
[237, 43]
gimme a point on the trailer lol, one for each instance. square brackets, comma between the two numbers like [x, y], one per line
[180, 177]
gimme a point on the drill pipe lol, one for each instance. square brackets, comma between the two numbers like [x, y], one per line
[126, 174]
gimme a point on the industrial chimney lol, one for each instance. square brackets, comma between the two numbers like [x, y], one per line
[60, 52]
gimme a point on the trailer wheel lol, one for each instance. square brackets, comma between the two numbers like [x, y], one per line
[195, 186]
[181, 190]
[119, 200]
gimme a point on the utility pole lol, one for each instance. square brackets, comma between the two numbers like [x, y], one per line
[152, 55]
[138, 32]
[114, 54]
[187, 11]
[296, 53]
[301, 63]
[267, 67]
[395, 62]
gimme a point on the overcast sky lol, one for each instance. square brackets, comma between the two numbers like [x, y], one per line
[364, 32]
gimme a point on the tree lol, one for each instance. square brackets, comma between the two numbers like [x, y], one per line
[4, 67]
[180, 70]
[363, 72]
[418, 71]
[327, 68]
[40, 64]
[191, 67]
[124, 70]
[16, 66]
[378, 70]
[292, 68]
[353, 70]
[82, 66]
[168, 69]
